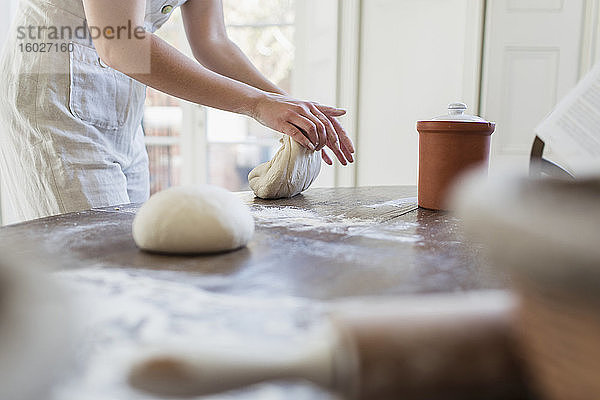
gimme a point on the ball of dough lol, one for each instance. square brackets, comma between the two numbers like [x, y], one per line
[191, 220]
[291, 171]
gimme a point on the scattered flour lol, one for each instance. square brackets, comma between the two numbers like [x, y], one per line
[303, 220]
[299, 220]
[407, 202]
[122, 312]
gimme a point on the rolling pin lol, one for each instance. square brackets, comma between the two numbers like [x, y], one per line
[441, 347]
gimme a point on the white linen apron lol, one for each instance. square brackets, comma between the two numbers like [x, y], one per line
[70, 127]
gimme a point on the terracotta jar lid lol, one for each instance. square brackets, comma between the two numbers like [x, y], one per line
[457, 121]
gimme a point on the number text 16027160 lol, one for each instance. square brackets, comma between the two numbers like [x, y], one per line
[36, 47]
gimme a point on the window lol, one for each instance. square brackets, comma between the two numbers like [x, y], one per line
[190, 144]
[264, 30]
[163, 122]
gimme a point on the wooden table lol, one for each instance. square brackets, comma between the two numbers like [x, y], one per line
[327, 244]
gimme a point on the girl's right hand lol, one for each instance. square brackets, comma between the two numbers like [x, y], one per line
[310, 124]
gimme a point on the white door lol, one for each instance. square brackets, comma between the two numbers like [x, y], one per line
[416, 57]
[532, 57]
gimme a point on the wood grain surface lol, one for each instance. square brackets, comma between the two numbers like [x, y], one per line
[324, 244]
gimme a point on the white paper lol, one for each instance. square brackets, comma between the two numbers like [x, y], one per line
[572, 130]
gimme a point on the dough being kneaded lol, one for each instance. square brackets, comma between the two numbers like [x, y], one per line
[291, 171]
[191, 220]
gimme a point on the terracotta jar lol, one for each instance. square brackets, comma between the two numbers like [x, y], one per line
[449, 145]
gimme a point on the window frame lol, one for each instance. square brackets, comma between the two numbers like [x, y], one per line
[5, 24]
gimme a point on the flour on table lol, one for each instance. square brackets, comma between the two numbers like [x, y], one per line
[299, 220]
[125, 311]
[187, 220]
[409, 201]
[291, 171]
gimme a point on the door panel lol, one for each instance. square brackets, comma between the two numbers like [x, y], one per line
[535, 5]
[531, 60]
[536, 70]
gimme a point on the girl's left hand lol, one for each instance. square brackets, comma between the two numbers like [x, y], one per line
[313, 125]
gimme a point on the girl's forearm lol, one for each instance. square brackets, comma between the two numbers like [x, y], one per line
[174, 73]
[225, 57]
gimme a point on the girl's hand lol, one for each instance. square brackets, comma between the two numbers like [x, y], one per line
[312, 125]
